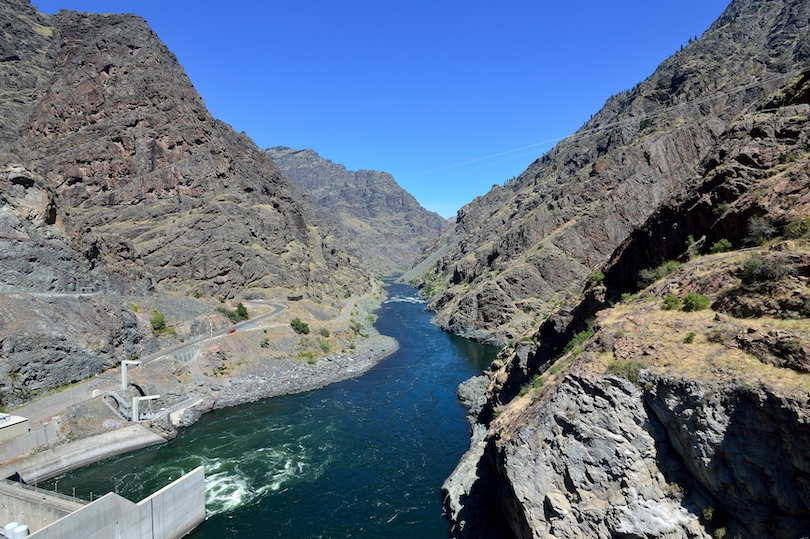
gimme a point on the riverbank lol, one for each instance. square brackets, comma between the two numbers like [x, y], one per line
[360, 458]
[267, 360]
[289, 376]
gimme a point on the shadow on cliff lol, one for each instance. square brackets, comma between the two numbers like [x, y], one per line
[482, 515]
[755, 480]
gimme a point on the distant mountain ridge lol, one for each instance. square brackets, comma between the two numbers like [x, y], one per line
[115, 179]
[373, 217]
[523, 248]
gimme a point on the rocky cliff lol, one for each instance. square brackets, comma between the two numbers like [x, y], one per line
[115, 179]
[520, 250]
[666, 394]
[372, 216]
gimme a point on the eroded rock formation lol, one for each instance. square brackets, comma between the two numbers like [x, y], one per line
[540, 236]
[116, 180]
[620, 414]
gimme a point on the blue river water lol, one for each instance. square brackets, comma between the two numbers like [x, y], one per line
[361, 458]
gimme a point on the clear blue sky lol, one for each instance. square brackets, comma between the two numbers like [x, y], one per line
[427, 90]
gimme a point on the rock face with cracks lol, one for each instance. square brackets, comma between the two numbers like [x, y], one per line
[610, 414]
[538, 238]
[115, 180]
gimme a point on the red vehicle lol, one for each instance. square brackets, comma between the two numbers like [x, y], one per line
[232, 330]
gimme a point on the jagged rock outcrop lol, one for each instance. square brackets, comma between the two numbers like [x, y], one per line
[658, 423]
[149, 182]
[707, 435]
[372, 216]
[589, 464]
[541, 235]
[115, 179]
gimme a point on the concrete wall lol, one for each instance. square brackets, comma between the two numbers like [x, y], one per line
[170, 513]
[33, 507]
[23, 445]
[70, 456]
[180, 507]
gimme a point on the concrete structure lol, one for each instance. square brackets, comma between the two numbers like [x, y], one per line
[34, 507]
[170, 513]
[21, 446]
[65, 457]
[12, 426]
[124, 364]
[136, 413]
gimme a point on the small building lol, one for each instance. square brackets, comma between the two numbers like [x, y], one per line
[295, 298]
[12, 426]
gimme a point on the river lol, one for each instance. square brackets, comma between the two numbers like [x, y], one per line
[361, 458]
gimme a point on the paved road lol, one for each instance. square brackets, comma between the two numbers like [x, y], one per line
[213, 335]
[344, 314]
[40, 411]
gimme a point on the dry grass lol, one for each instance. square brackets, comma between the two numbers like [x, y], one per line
[654, 336]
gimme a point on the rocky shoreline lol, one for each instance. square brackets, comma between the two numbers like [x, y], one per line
[88, 424]
[289, 376]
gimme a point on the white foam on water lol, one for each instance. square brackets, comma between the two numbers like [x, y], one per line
[404, 299]
[225, 491]
[228, 485]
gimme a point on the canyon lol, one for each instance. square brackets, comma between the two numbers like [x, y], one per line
[646, 279]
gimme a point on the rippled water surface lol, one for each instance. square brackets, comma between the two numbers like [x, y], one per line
[360, 458]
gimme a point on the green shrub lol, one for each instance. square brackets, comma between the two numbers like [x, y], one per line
[751, 269]
[324, 332]
[757, 269]
[646, 123]
[695, 302]
[237, 315]
[597, 278]
[302, 328]
[158, 321]
[690, 338]
[536, 385]
[720, 246]
[265, 343]
[672, 302]
[577, 341]
[797, 228]
[648, 276]
[197, 294]
[626, 368]
[325, 347]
